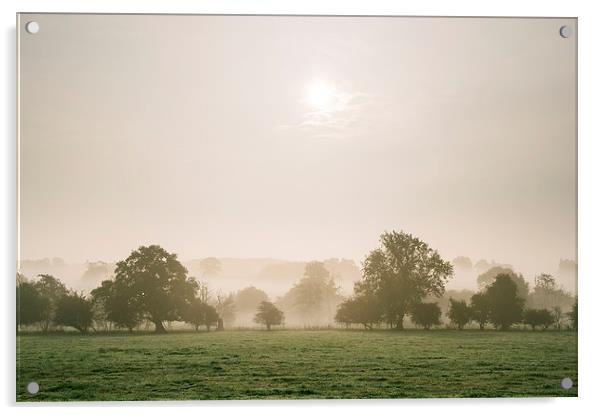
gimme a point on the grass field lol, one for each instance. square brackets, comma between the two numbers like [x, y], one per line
[296, 365]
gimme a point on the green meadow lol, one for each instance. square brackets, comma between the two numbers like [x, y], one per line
[289, 364]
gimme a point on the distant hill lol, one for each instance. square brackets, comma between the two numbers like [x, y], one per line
[275, 276]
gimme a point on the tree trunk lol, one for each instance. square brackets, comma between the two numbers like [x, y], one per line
[399, 325]
[269, 326]
[481, 326]
[159, 328]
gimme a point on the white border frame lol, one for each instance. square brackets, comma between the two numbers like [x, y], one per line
[589, 173]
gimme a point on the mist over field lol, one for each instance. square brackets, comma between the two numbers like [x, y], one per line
[276, 276]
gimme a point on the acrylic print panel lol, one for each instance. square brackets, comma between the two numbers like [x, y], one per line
[294, 207]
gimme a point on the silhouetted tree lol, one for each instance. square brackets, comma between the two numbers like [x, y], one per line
[480, 309]
[345, 313]
[269, 315]
[155, 283]
[73, 310]
[315, 297]
[426, 315]
[30, 304]
[538, 317]
[488, 277]
[51, 290]
[459, 313]
[116, 306]
[122, 310]
[100, 296]
[506, 307]
[401, 273]
[198, 314]
[361, 309]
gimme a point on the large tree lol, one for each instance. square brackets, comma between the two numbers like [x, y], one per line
[30, 304]
[401, 272]
[506, 306]
[156, 284]
[51, 290]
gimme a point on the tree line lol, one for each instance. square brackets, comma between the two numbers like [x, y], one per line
[400, 279]
[150, 285]
[403, 271]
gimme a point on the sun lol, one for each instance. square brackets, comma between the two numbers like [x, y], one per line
[321, 96]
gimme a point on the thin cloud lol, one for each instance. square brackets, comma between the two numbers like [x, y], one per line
[346, 110]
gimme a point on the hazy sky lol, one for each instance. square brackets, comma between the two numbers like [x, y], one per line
[297, 137]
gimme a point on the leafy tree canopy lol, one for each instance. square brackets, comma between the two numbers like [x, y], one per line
[74, 311]
[538, 317]
[361, 309]
[505, 304]
[30, 304]
[154, 283]
[480, 309]
[199, 313]
[269, 315]
[426, 315]
[459, 313]
[488, 277]
[401, 272]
